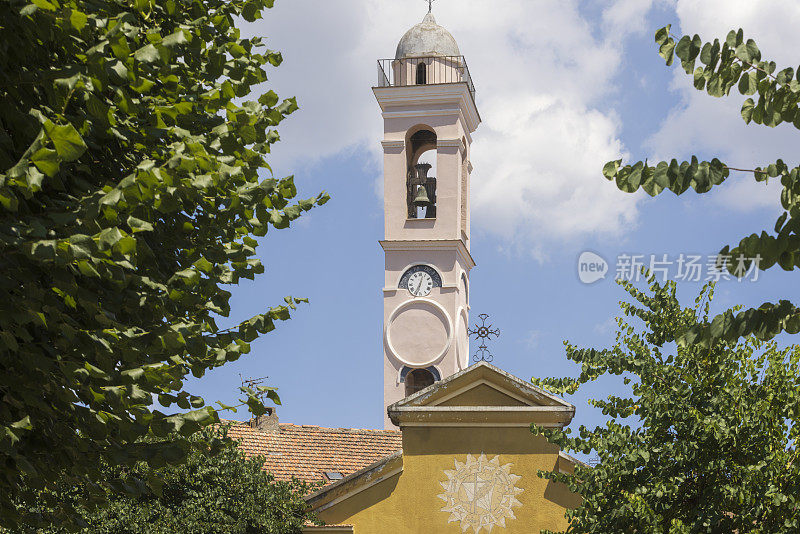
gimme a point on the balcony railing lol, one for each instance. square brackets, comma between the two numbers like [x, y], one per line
[424, 71]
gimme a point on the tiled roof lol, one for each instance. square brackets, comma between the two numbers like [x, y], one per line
[307, 452]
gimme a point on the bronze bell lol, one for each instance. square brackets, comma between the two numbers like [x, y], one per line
[421, 199]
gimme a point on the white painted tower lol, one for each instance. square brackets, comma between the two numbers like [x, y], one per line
[428, 103]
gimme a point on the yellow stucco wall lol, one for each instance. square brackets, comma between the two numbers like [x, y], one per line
[408, 504]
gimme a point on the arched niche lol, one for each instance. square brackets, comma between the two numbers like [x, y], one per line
[421, 188]
[419, 139]
[422, 73]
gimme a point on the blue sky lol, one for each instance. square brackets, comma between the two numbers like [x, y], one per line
[562, 88]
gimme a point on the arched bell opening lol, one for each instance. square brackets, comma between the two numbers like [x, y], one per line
[421, 194]
[418, 379]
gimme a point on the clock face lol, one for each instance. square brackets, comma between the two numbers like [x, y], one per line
[420, 284]
[419, 280]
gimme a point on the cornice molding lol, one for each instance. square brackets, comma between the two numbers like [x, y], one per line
[407, 245]
[390, 144]
[520, 416]
[421, 114]
[452, 143]
[394, 96]
[354, 484]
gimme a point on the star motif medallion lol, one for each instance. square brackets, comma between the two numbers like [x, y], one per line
[480, 493]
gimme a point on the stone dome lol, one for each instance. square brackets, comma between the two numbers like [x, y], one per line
[427, 39]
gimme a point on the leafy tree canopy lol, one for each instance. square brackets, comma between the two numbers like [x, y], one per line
[706, 442]
[216, 491]
[130, 196]
[718, 67]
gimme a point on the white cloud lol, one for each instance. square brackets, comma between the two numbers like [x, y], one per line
[541, 72]
[607, 327]
[320, 42]
[551, 183]
[625, 16]
[711, 127]
[533, 339]
[772, 23]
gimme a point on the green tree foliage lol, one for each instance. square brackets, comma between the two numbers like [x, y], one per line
[216, 491]
[718, 67]
[130, 196]
[707, 441]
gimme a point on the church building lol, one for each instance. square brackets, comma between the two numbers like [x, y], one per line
[456, 453]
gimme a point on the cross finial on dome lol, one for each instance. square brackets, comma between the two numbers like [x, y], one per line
[430, 5]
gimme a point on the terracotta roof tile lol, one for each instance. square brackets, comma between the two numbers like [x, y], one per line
[306, 452]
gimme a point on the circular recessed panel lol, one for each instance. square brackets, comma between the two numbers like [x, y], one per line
[419, 333]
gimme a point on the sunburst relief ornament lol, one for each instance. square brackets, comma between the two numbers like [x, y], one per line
[480, 493]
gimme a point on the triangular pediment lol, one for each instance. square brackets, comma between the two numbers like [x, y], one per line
[482, 393]
[483, 384]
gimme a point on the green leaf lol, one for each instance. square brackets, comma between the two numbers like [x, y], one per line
[268, 99]
[251, 11]
[204, 266]
[147, 54]
[138, 225]
[78, 19]
[34, 179]
[175, 38]
[87, 269]
[23, 424]
[142, 85]
[748, 52]
[68, 142]
[47, 161]
[748, 84]
[109, 237]
[203, 417]
[81, 246]
[44, 4]
[667, 51]
[715, 86]
[747, 110]
[662, 34]
[112, 198]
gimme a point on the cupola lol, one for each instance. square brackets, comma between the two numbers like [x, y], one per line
[427, 39]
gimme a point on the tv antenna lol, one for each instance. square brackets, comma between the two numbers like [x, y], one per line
[252, 384]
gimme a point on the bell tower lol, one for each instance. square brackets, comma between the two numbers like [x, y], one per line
[429, 113]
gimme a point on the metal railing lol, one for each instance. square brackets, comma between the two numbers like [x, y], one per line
[427, 70]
